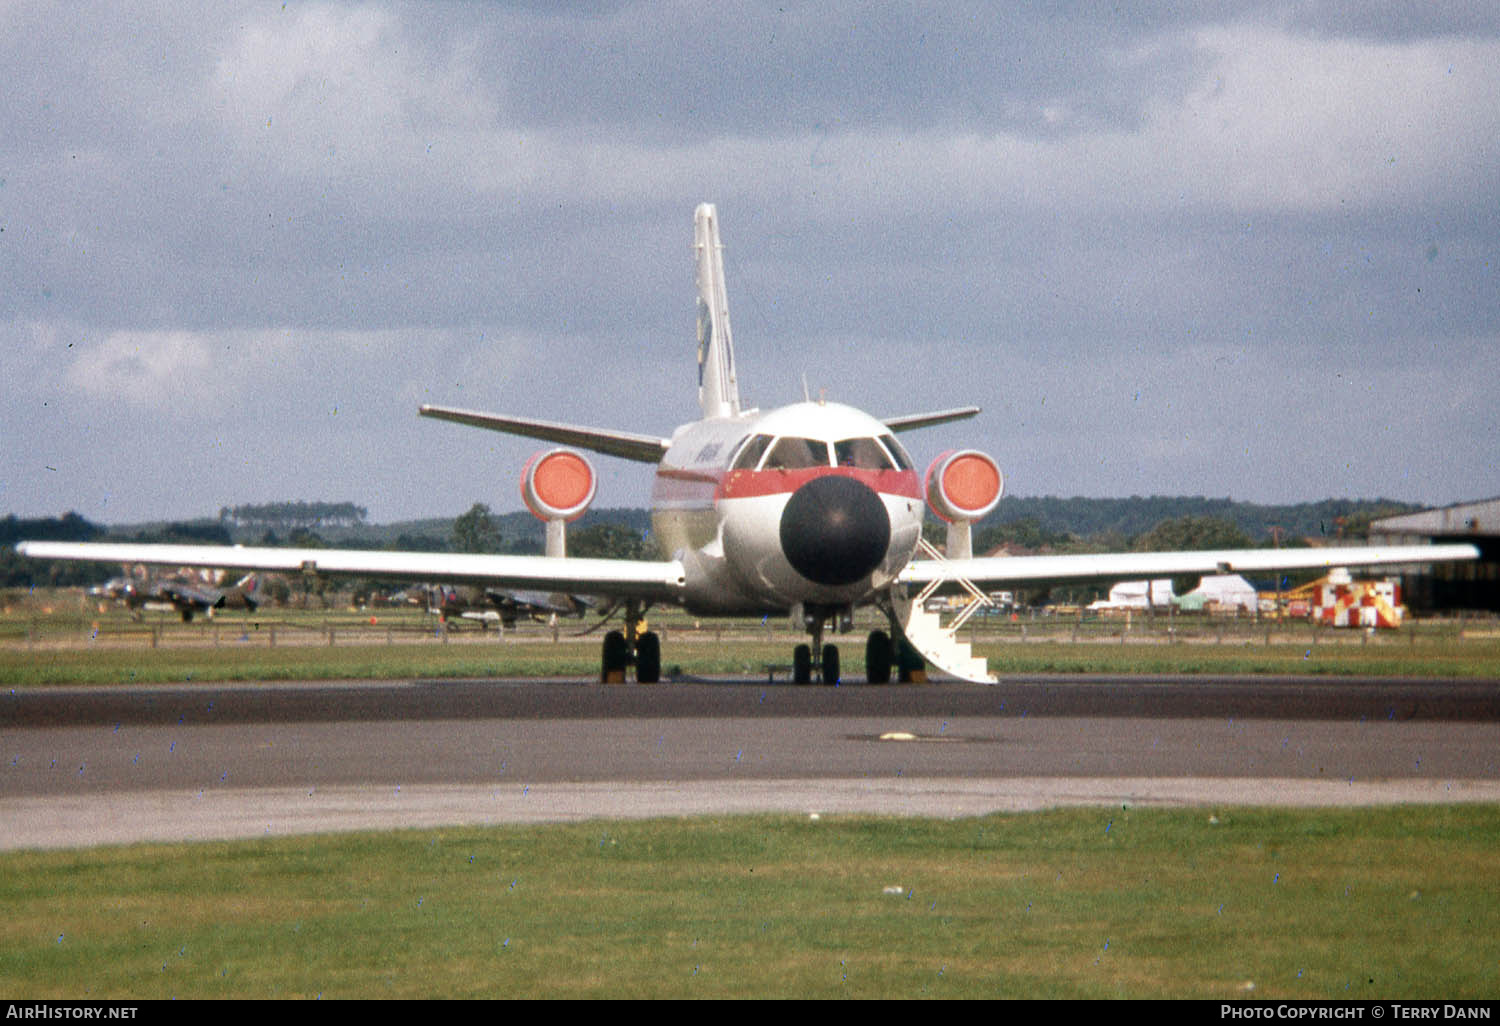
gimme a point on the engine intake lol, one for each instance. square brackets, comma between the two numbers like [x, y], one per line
[963, 485]
[558, 485]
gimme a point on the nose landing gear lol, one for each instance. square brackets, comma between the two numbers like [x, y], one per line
[804, 666]
[817, 658]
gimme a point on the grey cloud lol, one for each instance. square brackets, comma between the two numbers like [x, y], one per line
[354, 209]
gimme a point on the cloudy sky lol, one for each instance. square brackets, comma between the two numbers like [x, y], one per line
[1238, 249]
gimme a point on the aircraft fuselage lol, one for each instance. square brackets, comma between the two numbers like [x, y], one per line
[814, 504]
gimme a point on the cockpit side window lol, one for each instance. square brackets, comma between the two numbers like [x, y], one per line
[862, 453]
[797, 454]
[750, 455]
[897, 453]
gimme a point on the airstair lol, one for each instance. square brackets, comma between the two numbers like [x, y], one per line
[938, 642]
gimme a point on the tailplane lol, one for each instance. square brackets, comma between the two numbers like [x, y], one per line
[718, 390]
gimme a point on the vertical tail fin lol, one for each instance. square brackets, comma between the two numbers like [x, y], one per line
[718, 390]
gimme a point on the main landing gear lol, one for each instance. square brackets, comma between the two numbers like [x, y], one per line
[888, 655]
[632, 646]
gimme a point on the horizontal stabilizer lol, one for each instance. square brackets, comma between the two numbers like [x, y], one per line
[623, 444]
[912, 421]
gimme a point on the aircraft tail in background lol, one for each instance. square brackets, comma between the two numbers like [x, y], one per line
[718, 390]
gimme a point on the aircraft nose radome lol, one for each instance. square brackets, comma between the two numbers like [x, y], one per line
[834, 530]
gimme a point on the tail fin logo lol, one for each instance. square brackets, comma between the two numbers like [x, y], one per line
[705, 337]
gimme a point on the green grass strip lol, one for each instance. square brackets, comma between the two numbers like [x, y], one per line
[1110, 902]
[579, 659]
[64, 638]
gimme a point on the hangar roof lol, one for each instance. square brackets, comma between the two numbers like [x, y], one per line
[1466, 520]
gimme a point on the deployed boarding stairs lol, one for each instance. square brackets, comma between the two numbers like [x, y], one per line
[938, 643]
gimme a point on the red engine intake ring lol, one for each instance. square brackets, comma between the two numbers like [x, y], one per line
[963, 485]
[558, 485]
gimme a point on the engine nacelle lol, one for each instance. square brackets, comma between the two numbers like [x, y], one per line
[964, 485]
[558, 485]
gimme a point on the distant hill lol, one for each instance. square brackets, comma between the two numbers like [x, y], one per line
[1126, 518]
[520, 532]
[1117, 520]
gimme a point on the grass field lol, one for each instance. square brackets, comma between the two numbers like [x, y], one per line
[64, 638]
[1093, 903]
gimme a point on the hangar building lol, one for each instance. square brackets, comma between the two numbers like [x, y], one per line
[1473, 585]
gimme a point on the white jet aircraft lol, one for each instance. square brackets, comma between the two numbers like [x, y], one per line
[808, 510]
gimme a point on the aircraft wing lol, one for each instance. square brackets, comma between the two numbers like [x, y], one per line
[539, 601]
[624, 444]
[629, 578]
[1033, 570]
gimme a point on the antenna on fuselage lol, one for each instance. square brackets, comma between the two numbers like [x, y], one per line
[718, 390]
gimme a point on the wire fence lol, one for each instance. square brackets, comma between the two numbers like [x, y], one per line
[290, 629]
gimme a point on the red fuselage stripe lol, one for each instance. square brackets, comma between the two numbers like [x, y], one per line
[678, 486]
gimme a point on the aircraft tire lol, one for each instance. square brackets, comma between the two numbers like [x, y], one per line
[911, 665]
[616, 657]
[830, 664]
[648, 658]
[879, 655]
[802, 664]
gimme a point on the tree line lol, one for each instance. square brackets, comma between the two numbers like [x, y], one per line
[1158, 523]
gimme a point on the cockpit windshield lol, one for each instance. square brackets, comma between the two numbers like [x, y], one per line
[749, 457]
[863, 454]
[766, 452]
[897, 453]
[797, 454]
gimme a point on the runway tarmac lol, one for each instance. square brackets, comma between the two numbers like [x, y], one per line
[87, 766]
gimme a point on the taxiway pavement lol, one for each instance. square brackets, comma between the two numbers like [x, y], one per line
[87, 766]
